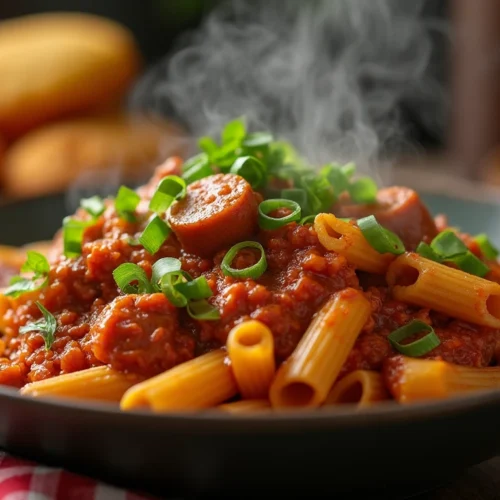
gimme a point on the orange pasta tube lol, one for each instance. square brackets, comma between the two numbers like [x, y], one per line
[99, 383]
[346, 239]
[413, 379]
[305, 379]
[426, 283]
[250, 346]
[360, 387]
[202, 382]
[245, 406]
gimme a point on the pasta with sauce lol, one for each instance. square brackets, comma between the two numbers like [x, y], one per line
[244, 280]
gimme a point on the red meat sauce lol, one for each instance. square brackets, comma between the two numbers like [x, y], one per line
[145, 334]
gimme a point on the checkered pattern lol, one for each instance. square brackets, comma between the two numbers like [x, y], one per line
[25, 480]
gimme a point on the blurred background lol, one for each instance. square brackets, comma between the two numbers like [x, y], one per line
[409, 89]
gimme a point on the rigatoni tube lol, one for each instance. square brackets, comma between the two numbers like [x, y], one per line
[305, 379]
[416, 280]
[202, 382]
[347, 239]
[250, 346]
[99, 383]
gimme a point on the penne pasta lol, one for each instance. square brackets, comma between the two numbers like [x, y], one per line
[416, 280]
[346, 239]
[305, 379]
[250, 346]
[360, 387]
[100, 383]
[423, 379]
[245, 406]
[200, 383]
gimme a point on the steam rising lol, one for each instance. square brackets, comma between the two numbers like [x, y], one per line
[326, 75]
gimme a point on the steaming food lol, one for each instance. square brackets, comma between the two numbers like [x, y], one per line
[246, 280]
[71, 152]
[54, 64]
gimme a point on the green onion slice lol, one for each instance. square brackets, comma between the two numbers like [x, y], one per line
[202, 310]
[195, 289]
[234, 130]
[295, 194]
[94, 206]
[363, 190]
[308, 220]
[169, 189]
[168, 286]
[419, 347]
[73, 230]
[126, 202]
[46, 326]
[336, 177]
[207, 144]
[469, 263]
[251, 169]
[427, 252]
[155, 234]
[126, 275]
[268, 206]
[447, 244]
[197, 172]
[380, 238]
[162, 267]
[254, 271]
[349, 169]
[194, 161]
[487, 248]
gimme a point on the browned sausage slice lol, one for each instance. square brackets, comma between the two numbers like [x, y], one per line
[217, 212]
[399, 209]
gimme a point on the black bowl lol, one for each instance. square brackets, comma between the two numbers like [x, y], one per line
[387, 451]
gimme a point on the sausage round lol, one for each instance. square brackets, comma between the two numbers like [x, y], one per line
[217, 212]
[399, 209]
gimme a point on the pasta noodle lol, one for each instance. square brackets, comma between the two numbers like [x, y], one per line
[99, 383]
[250, 346]
[426, 283]
[245, 406]
[203, 382]
[422, 379]
[348, 240]
[360, 387]
[305, 379]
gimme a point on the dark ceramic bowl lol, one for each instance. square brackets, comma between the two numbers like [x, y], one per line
[386, 452]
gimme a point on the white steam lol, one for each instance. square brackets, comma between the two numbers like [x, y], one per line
[328, 75]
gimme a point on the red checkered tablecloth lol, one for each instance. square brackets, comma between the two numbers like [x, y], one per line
[25, 480]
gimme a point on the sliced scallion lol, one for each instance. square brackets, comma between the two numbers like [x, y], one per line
[419, 347]
[380, 238]
[131, 278]
[254, 271]
[251, 169]
[169, 189]
[487, 248]
[268, 206]
[126, 202]
[154, 235]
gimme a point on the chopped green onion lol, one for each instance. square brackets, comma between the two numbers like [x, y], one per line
[295, 194]
[162, 267]
[169, 189]
[336, 177]
[156, 232]
[254, 271]
[126, 202]
[194, 161]
[349, 169]
[36, 263]
[197, 172]
[46, 326]
[73, 230]
[447, 244]
[202, 310]
[363, 190]
[320, 193]
[196, 289]
[127, 274]
[487, 248]
[257, 140]
[419, 347]
[380, 238]
[94, 206]
[168, 287]
[251, 169]
[469, 263]
[308, 220]
[427, 252]
[235, 130]
[268, 206]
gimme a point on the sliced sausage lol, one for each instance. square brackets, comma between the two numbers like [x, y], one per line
[399, 209]
[217, 212]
